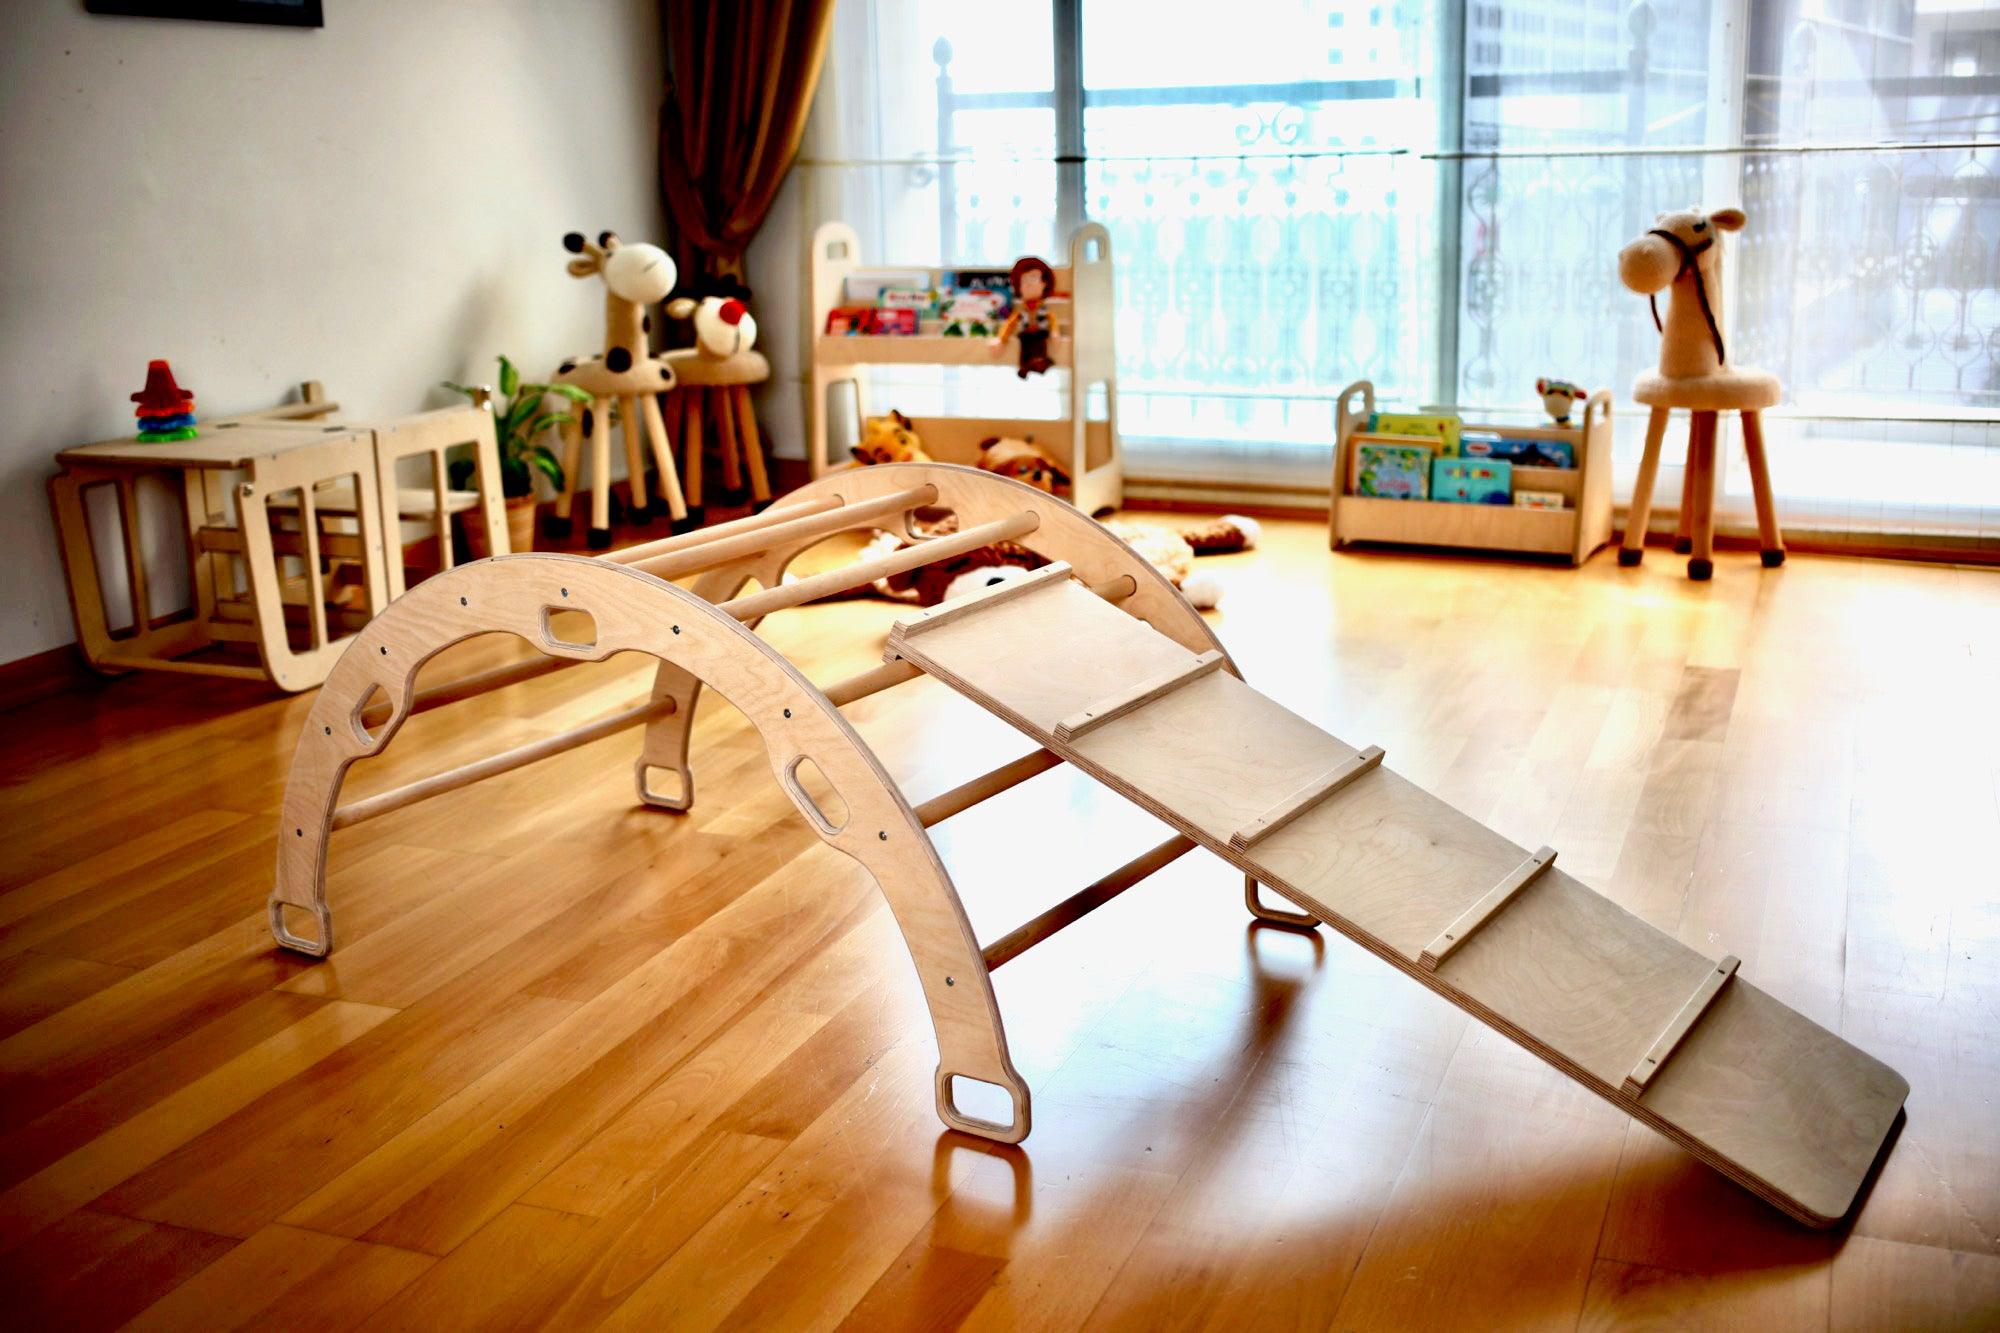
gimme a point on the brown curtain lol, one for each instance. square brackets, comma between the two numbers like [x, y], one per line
[740, 80]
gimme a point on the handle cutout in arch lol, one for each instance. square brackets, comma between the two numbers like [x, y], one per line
[816, 795]
[569, 627]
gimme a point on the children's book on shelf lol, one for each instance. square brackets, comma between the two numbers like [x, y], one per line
[972, 313]
[884, 323]
[848, 320]
[1443, 426]
[868, 286]
[997, 282]
[1362, 439]
[1520, 452]
[1385, 469]
[1539, 500]
[1472, 480]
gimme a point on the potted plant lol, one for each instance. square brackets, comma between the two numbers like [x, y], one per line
[522, 417]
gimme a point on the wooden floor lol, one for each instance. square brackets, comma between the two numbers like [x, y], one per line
[579, 1063]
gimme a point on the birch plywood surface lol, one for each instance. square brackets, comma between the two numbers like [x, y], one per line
[1785, 1108]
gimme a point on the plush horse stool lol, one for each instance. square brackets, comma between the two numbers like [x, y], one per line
[718, 392]
[1684, 252]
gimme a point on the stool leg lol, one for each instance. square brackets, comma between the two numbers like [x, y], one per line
[691, 444]
[635, 461]
[600, 474]
[559, 526]
[663, 454]
[1701, 451]
[1641, 508]
[1684, 523]
[1772, 539]
[725, 439]
[753, 445]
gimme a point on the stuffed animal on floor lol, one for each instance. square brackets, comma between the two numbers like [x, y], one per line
[890, 439]
[1023, 460]
[1172, 552]
[927, 585]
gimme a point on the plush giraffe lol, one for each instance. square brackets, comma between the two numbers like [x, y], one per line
[1682, 255]
[635, 276]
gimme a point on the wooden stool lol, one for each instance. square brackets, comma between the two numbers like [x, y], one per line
[1746, 392]
[715, 390]
[1681, 254]
[595, 422]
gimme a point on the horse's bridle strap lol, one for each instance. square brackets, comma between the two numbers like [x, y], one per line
[1689, 254]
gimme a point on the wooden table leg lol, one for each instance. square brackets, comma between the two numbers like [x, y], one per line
[635, 462]
[691, 452]
[600, 474]
[1769, 535]
[725, 439]
[663, 455]
[753, 444]
[1641, 508]
[1701, 454]
[559, 525]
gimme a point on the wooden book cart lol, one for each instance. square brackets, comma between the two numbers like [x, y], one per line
[1102, 665]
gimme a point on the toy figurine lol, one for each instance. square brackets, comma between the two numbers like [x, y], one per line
[1558, 396]
[166, 410]
[1031, 321]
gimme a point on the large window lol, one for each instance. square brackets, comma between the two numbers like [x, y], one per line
[1427, 194]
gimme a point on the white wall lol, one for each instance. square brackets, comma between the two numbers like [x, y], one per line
[377, 204]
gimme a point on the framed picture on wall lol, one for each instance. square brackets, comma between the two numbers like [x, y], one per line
[285, 13]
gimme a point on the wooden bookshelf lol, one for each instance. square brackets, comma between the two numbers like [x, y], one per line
[1573, 532]
[1085, 358]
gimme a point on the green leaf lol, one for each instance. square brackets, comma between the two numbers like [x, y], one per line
[569, 391]
[466, 389]
[510, 379]
[546, 462]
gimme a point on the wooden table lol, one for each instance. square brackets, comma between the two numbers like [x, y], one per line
[263, 562]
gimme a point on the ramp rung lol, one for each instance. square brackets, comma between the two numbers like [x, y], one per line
[1084, 901]
[1146, 691]
[987, 785]
[1304, 799]
[1663, 1049]
[1472, 918]
[983, 600]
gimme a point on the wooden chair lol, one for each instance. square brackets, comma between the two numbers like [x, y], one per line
[1684, 253]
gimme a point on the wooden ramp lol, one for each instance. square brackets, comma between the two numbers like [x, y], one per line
[1675, 1038]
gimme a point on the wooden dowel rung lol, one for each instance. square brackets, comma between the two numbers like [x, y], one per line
[984, 599]
[1085, 721]
[466, 687]
[770, 518]
[968, 794]
[867, 571]
[1669, 1041]
[883, 677]
[1305, 798]
[1084, 901]
[1469, 922]
[719, 551]
[506, 761]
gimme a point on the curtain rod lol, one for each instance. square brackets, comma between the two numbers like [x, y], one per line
[1465, 155]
